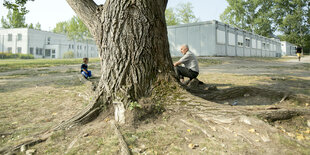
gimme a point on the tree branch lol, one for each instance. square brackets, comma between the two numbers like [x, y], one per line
[86, 10]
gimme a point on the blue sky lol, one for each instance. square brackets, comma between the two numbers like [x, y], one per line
[49, 12]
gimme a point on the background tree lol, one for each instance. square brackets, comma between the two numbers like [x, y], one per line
[15, 19]
[38, 26]
[74, 28]
[251, 15]
[185, 13]
[61, 27]
[182, 14]
[265, 17]
[294, 22]
[171, 17]
[16, 15]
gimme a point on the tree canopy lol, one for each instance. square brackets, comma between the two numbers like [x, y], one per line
[74, 28]
[16, 15]
[267, 17]
[182, 14]
[15, 19]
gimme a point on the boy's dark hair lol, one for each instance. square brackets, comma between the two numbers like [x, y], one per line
[85, 59]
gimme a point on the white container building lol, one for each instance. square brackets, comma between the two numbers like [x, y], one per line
[213, 38]
[288, 49]
[43, 44]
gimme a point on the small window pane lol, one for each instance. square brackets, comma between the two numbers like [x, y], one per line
[253, 43]
[221, 37]
[19, 49]
[232, 39]
[19, 37]
[10, 37]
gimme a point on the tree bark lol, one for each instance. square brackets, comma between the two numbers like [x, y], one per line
[133, 47]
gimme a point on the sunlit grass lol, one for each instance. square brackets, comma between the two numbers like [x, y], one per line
[16, 64]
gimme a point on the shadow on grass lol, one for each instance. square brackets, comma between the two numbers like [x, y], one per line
[52, 78]
[237, 96]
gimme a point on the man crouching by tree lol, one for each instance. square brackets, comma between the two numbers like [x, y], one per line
[190, 62]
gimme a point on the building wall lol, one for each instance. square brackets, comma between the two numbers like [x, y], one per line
[43, 44]
[288, 48]
[218, 39]
[195, 35]
[13, 41]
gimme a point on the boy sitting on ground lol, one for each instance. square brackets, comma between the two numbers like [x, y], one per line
[86, 73]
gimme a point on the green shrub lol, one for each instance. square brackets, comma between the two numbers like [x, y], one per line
[68, 55]
[15, 56]
[26, 56]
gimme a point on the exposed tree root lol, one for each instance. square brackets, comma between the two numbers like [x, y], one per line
[27, 144]
[89, 113]
[272, 116]
[124, 150]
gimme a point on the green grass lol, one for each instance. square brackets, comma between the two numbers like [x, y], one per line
[16, 64]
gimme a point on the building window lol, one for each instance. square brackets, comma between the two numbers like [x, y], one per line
[240, 40]
[19, 49]
[53, 54]
[48, 40]
[19, 37]
[10, 37]
[85, 48]
[231, 39]
[41, 51]
[47, 52]
[69, 46]
[9, 49]
[31, 50]
[259, 44]
[221, 37]
[247, 42]
[264, 45]
[253, 43]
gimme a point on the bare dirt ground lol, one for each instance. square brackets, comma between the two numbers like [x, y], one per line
[245, 106]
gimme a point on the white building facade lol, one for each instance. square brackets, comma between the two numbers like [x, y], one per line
[43, 44]
[288, 49]
[213, 38]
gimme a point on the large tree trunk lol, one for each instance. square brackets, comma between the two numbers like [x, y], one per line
[134, 51]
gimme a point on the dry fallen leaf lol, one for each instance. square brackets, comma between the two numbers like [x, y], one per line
[252, 130]
[290, 134]
[191, 146]
[300, 137]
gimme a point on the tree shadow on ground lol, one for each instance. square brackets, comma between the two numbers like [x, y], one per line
[55, 79]
[290, 84]
[235, 96]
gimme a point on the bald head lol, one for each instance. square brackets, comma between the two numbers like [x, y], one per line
[184, 49]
